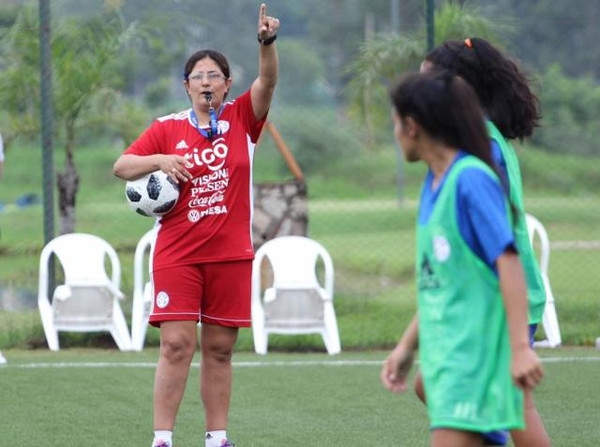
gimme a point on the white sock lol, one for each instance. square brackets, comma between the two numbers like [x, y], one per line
[163, 435]
[215, 438]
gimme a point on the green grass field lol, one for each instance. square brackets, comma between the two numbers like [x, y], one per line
[297, 395]
[98, 397]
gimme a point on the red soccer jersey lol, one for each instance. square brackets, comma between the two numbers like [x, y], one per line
[212, 219]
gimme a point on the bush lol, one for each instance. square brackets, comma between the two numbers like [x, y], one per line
[570, 108]
[316, 136]
[157, 93]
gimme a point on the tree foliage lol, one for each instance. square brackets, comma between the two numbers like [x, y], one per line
[382, 59]
[560, 32]
[339, 52]
[84, 84]
[570, 115]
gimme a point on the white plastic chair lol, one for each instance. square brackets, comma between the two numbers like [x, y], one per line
[296, 303]
[549, 318]
[88, 301]
[142, 289]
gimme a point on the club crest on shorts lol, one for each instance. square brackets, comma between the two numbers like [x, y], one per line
[441, 248]
[162, 300]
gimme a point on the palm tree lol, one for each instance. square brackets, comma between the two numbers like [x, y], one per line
[388, 55]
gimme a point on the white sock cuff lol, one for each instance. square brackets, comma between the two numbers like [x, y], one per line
[163, 435]
[214, 438]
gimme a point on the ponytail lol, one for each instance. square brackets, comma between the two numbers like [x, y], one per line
[446, 107]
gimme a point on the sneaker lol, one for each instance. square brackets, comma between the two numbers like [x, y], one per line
[226, 443]
[161, 443]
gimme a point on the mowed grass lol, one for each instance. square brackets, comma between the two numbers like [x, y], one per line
[98, 397]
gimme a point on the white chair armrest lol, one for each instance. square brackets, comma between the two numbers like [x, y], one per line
[270, 295]
[325, 296]
[62, 293]
[116, 292]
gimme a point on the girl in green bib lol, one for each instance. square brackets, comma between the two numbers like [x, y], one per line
[472, 299]
[512, 111]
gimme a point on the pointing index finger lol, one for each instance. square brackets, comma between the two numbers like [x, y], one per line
[262, 14]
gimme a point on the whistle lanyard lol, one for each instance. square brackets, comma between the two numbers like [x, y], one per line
[214, 128]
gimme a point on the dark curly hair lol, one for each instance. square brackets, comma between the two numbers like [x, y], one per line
[503, 89]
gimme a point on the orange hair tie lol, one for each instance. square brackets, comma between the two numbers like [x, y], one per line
[468, 43]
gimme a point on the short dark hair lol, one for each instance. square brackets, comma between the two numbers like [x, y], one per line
[219, 59]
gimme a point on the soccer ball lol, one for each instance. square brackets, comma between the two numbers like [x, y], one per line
[152, 195]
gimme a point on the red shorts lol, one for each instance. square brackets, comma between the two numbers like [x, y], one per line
[213, 293]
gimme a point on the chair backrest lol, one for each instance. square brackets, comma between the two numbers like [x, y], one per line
[296, 302]
[83, 258]
[144, 247]
[535, 227]
[294, 261]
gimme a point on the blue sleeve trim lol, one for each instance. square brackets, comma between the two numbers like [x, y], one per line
[482, 215]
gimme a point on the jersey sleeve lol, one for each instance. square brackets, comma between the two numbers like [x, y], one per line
[150, 142]
[482, 215]
[246, 115]
[498, 158]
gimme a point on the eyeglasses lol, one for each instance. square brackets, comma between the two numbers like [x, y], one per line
[212, 76]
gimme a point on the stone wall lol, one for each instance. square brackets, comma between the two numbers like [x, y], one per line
[280, 209]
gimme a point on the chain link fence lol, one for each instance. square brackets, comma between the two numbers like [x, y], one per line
[358, 199]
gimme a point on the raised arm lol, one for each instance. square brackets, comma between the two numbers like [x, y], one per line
[268, 67]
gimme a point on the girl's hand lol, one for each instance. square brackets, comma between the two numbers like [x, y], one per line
[396, 368]
[526, 368]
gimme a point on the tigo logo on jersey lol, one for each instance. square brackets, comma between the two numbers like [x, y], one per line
[213, 157]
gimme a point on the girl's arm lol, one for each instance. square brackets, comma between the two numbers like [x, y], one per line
[397, 365]
[263, 87]
[526, 368]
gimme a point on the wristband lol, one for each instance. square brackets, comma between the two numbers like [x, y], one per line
[268, 41]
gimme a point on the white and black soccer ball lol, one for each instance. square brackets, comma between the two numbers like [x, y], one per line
[152, 195]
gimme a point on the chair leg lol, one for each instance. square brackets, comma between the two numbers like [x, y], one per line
[119, 330]
[259, 334]
[137, 331]
[549, 318]
[550, 323]
[331, 335]
[261, 339]
[50, 332]
[52, 339]
[142, 335]
[332, 343]
[142, 332]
